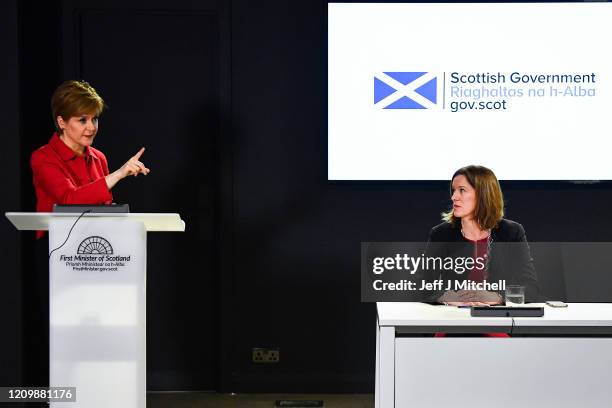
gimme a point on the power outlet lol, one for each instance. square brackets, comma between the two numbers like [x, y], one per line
[265, 355]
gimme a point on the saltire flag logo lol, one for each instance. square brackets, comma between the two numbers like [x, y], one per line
[405, 90]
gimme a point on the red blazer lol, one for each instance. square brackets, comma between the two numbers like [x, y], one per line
[63, 177]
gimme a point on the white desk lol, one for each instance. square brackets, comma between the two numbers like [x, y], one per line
[563, 359]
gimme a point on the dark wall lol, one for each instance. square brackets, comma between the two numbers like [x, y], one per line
[164, 70]
[10, 289]
[297, 236]
[283, 244]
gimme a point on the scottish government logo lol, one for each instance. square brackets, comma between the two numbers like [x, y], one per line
[405, 90]
[95, 246]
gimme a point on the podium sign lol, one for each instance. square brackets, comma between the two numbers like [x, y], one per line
[97, 310]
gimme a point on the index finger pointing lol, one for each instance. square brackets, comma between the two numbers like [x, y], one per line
[140, 152]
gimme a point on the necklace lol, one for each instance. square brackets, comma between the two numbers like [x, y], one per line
[489, 245]
[487, 236]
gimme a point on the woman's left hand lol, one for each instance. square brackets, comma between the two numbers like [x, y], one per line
[132, 167]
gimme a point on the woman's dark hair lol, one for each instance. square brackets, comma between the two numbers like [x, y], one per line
[489, 198]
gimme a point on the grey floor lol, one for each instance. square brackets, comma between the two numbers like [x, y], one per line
[209, 400]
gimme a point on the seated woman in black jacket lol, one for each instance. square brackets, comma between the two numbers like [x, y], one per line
[475, 227]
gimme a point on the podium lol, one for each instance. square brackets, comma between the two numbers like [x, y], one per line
[97, 302]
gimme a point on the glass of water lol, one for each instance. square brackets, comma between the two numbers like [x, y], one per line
[515, 295]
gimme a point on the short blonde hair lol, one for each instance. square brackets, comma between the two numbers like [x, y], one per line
[489, 198]
[74, 98]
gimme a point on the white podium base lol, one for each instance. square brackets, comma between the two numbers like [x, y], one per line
[97, 292]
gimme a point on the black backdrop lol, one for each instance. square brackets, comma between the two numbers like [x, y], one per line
[230, 100]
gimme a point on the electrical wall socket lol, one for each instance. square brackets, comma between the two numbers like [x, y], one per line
[265, 355]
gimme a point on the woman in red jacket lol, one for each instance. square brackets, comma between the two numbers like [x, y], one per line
[67, 170]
